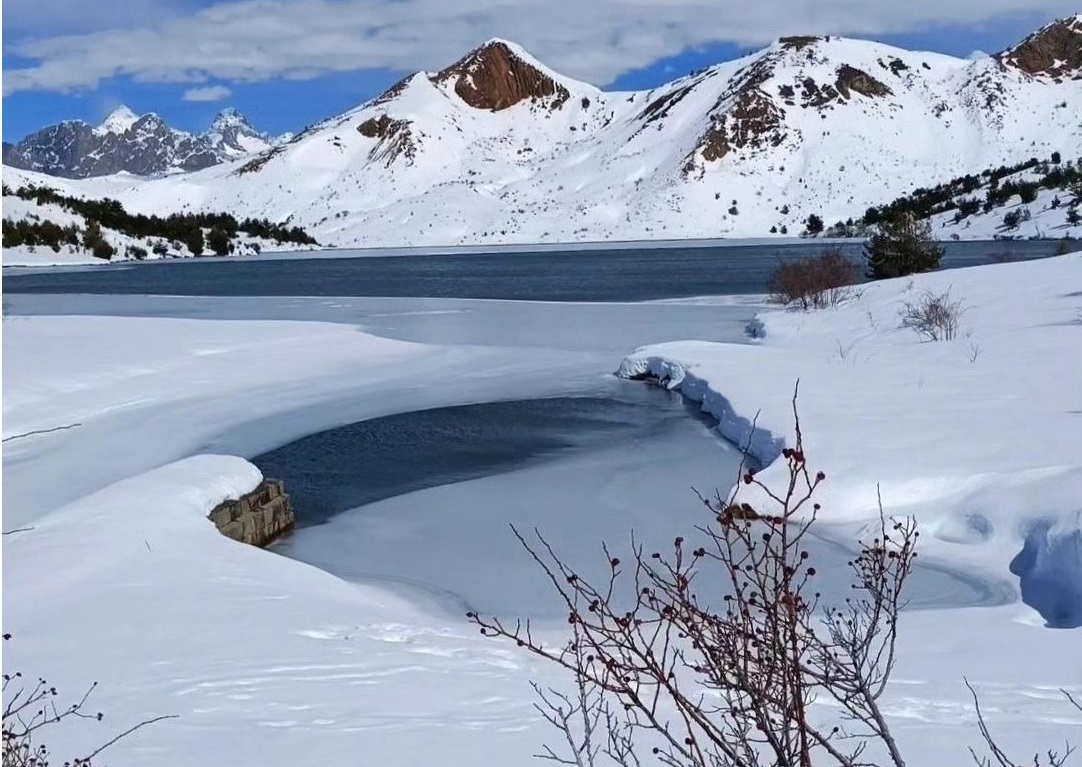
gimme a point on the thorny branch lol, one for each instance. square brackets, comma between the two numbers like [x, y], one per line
[726, 680]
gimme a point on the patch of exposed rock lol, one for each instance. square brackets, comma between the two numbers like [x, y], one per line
[494, 77]
[798, 42]
[849, 80]
[859, 81]
[395, 139]
[751, 121]
[1054, 51]
[393, 92]
[257, 518]
[659, 108]
[257, 163]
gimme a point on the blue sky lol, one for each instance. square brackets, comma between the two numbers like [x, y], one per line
[288, 63]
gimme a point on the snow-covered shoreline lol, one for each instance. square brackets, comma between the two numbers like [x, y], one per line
[881, 413]
[268, 660]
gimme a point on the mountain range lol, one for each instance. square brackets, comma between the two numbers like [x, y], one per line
[142, 145]
[500, 148]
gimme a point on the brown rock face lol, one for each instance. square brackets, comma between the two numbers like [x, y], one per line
[850, 80]
[859, 81]
[1054, 51]
[395, 139]
[753, 121]
[258, 517]
[494, 78]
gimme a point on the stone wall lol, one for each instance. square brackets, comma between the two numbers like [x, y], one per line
[258, 517]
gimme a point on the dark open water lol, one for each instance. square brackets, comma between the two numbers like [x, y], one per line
[632, 274]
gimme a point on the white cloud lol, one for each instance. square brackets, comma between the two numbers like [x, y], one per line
[50, 17]
[255, 40]
[207, 93]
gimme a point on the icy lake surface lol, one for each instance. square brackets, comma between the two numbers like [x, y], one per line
[424, 501]
[631, 274]
[386, 494]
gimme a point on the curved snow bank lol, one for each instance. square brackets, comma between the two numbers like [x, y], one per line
[976, 437]
[763, 444]
[160, 510]
[1049, 570]
[262, 659]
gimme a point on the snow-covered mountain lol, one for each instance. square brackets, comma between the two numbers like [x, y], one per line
[139, 144]
[500, 148]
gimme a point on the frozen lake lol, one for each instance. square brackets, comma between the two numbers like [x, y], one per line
[617, 274]
[548, 436]
[423, 501]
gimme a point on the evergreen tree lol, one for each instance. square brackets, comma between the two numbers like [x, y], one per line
[95, 242]
[814, 224]
[193, 239]
[218, 240]
[903, 245]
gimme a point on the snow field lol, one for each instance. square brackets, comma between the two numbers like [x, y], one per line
[266, 660]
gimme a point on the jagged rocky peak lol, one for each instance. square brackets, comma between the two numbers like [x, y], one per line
[498, 75]
[144, 145]
[1053, 51]
[230, 118]
[233, 135]
[119, 121]
[151, 122]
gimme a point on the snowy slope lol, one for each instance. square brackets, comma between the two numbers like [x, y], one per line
[126, 247]
[16, 208]
[268, 661]
[498, 148]
[1056, 212]
[936, 428]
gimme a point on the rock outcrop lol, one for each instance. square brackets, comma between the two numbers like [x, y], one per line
[496, 77]
[1053, 51]
[257, 518]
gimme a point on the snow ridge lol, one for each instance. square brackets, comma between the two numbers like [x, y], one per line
[500, 149]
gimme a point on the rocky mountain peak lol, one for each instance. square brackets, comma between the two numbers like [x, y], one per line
[1053, 51]
[143, 145]
[151, 122]
[498, 75]
[230, 118]
[119, 121]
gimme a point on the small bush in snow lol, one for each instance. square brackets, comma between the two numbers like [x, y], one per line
[933, 316]
[814, 282]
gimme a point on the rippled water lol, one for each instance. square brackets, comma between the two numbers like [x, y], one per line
[631, 274]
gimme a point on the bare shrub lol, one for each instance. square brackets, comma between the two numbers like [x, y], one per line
[997, 757]
[814, 282]
[729, 684]
[32, 707]
[933, 316]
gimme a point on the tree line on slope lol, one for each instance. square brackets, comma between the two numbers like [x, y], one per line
[959, 194]
[195, 231]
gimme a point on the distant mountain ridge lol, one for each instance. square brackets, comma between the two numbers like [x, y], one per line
[143, 145]
[499, 148]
